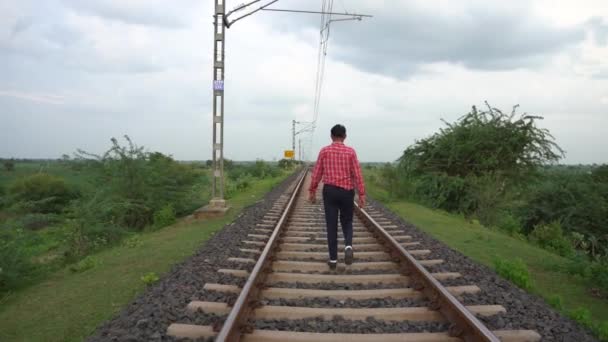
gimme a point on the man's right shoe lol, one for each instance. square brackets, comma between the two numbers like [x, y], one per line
[348, 255]
[332, 265]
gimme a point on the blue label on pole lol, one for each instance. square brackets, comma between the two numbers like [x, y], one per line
[218, 85]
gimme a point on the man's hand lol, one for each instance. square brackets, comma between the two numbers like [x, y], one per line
[361, 202]
[312, 198]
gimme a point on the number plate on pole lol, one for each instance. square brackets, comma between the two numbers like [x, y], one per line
[218, 85]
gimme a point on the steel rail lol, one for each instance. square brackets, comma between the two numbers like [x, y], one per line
[247, 299]
[464, 324]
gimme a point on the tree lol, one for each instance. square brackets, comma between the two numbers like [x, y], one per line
[134, 184]
[483, 142]
[9, 164]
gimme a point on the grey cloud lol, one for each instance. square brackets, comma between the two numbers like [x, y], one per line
[599, 27]
[601, 75]
[21, 25]
[399, 40]
[148, 15]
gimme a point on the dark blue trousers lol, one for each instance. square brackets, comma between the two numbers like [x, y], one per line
[338, 202]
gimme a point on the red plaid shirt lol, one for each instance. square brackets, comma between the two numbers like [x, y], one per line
[338, 165]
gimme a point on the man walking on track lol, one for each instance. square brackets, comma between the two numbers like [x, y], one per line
[339, 168]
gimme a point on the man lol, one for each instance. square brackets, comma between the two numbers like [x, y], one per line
[339, 168]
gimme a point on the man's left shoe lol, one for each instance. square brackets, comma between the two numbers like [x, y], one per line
[348, 255]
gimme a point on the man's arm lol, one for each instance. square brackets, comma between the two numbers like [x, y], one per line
[358, 179]
[317, 174]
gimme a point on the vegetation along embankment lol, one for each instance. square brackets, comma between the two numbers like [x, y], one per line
[81, 236]
[489, 186]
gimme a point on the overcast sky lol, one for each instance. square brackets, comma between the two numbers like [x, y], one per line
[74, 73]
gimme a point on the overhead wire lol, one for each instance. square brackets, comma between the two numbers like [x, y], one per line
[324, 34]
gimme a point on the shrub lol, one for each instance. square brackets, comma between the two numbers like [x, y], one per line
[602, 331]
[133, 241]
[445, 192]
[551, 237]
[41, 193]
[515, 271]
[15, 264]
[582, 316]
[244, 182]
[134, 184]
[556, 302]
[579, 265]
[84, 264]
[3, 197]
[82, 237]
[598, 274]
[508, 223]
[229, 188]
[9, 165]
[37, 221]
[149, 278]
[570, 198]
[287, 163]
[165, 216]
[483, 142]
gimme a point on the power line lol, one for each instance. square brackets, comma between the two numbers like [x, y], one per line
[324, 34]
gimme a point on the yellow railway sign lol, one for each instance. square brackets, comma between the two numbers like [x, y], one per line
[290, 154]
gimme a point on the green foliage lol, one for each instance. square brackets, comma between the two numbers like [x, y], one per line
[41, 193]
[571, 198]
[164, 217]
[492, 166]
[582, 316]
[602, 331]
[556, 302]
[137, 184]
[85, 264]
[515, 271]
[600, 174]
[14, 262]
[241, 176]
[133, 241]
[594, 272]
[88, 229]
[149, 278]
[471, 166]
[483, 142]
[551, 237]
[508, 223]
[9, 165]
[286, 164]
[3, 197]
[37, 221]
[598, 274]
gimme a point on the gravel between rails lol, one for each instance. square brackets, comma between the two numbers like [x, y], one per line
[337, 286]
[324, 302]
[147, 317]
[524, 310]
[341, 325]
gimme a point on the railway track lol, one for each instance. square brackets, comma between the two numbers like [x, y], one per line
[386, 295]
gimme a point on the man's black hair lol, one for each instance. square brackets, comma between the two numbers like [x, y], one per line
[338, 131]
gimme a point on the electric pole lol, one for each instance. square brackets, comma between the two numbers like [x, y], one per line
[293, 136]
[221, 23]
[218, 106]
[308, 128]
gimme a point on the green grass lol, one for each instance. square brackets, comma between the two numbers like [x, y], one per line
[486, 245]
[68, 306]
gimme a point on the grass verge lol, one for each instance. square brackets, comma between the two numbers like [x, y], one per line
[69, 306]
[485, 246]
